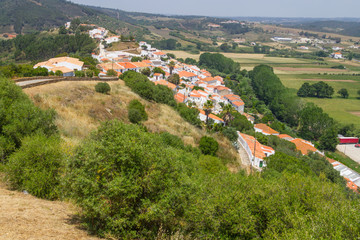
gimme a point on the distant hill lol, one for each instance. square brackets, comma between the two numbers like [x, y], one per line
[22, 16]
[330, 26]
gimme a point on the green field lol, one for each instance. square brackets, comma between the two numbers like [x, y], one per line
[338, 108]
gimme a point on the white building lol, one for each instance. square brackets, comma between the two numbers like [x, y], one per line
[67, 65]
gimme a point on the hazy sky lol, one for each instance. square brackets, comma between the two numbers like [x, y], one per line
[259, 8]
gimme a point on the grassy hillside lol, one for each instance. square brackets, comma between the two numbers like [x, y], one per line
[80, 111]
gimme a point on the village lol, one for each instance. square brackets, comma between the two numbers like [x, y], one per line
[195, 87]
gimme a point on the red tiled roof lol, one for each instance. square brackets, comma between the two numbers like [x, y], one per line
[266, 129]
[303, 146]
[186, 74]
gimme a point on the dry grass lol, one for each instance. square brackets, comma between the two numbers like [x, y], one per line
[81, 110]
[119, 46]
[27, 217]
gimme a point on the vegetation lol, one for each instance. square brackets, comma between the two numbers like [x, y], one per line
[319, 90]
[20, 118]
[103, 87]
[37, 166]
[343, 93]
[35, 47]
[219, 62]
[136, 112]
[208, 146]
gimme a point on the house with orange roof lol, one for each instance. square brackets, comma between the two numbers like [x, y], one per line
[285, 137]
[105, 67]
[222, 91]
[255, 150]
[180, 98]
[305, 146]
[337, 55]
[210, 80]
[128, 66]
[67, 64]
[239, 105]
[265, 129]
[249, 117]
[213, 117]
[188, 76]
[167, 84]
[159, 55]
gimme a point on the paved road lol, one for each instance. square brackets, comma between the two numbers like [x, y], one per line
[350, 150]
[24, 83]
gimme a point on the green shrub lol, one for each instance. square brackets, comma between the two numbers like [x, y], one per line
[208, 145]
[103, 87]
[58, 73]
[231, 134]
[36, 166]
[79, 73]
[19, 117]
[136, 112]
[134, 115]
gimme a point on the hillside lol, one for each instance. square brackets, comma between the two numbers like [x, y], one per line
[21, 16]
[80, 111]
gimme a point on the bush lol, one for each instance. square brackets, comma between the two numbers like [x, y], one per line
[134, 116]
[79, 73]
[19, 117]
[103, 87]
[208, 146]
[36, 166]
[231, 134]
[135, 104]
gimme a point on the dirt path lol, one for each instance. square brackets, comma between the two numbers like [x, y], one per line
[329, 80]
[26, 217]
[245, 161]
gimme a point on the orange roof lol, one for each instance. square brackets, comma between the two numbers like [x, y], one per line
[157, 74]
[141, 64]
[179, 97]
[212, 116]
[338, 53]
[238, 103]
[248, 116]
[259, 149]
[222, 88]
[303, 146]
[285, 136]
[186, 74]
[166, 83]
[127, 65]
[159, 53]
[266, 129]
[351, 185]
[208, 79]
[146, 61]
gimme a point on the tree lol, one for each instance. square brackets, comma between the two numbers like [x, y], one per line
[111, 73]
[136, 59]
[89, 73]
[305, 90]
[225, 47]
[343, 93]
[59, 73]
[79, 73]
[174, 78]
[208, 146]
[62, 30]
[228, 111]
[103, 87]
[208, 106]
[140, 113]
[171, 66]
[190, 61]
[159, 70]
[358, 92]
[146, 72]
[329, 140]
[231, 134]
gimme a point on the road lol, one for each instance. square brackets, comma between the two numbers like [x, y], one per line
[350, 150]
[29, 82]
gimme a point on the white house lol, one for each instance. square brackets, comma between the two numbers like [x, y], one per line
[68, 65]
[112, 39]
[337, 55]
[216, 119]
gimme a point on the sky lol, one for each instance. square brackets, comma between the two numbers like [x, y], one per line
[237, 8]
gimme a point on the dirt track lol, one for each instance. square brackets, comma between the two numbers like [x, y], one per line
[309, 69]
[26, 217]
[329, 80]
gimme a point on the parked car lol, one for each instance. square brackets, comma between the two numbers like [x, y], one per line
[357, 145]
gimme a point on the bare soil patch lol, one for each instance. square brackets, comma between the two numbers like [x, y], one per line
[309, 69]
[329, 80]
[26, 217]
[355, 113]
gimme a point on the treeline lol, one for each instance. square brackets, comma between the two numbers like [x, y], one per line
[35, 47]
[219, 62]
[319, 90]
